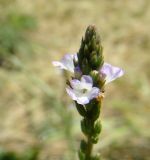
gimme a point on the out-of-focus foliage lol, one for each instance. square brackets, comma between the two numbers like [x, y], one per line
[34, 108]
[8, 156]
[30, 154]
[14, 30]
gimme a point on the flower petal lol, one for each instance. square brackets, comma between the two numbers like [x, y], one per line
[82, 100]
[110, 72]
[94, 93]
[58, 64]
[86, 82]
[75, 84]
[65, 63]
[87, 79]
[71, 93]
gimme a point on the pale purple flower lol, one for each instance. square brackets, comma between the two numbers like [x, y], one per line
[82, 91]
[66, 62]
[110, 73]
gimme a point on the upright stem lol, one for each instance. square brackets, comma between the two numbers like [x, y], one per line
[89, 148]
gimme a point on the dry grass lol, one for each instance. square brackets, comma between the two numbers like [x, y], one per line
[29, 97]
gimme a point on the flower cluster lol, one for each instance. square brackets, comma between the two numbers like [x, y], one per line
[81, 87]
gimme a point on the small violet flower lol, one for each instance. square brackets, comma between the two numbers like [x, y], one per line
[110, 73]
[66, 62]
[82, 91]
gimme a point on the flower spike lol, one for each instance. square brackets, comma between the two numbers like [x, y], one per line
[86, 87]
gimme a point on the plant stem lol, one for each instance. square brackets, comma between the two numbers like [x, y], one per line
[89, 148]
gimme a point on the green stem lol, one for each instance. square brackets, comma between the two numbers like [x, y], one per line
[89, 149]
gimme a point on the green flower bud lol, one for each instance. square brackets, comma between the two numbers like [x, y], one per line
[97, 127]
[95, 139]
[94, 112]
[90, 53]
[85, 50]
[86, 129]
[85, 68]
[96, 78]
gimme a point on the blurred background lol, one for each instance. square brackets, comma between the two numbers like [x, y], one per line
[37, 119]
